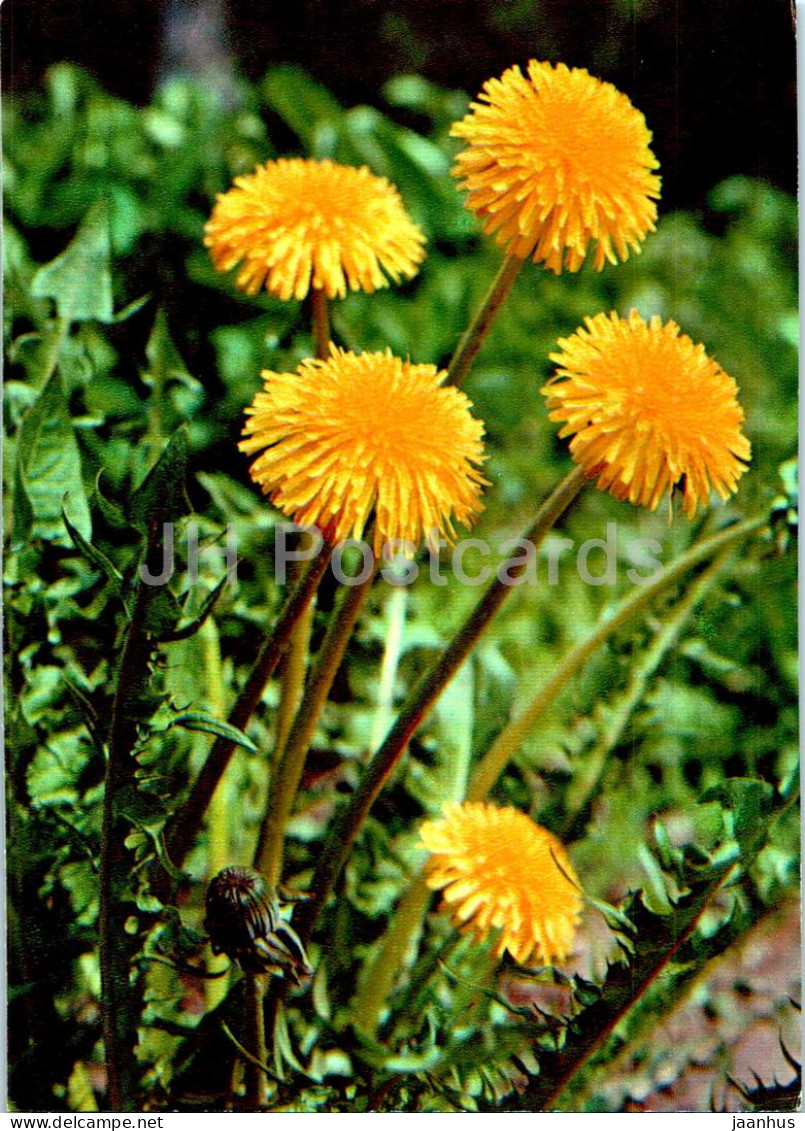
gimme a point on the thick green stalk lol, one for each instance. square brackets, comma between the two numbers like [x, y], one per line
[221, 810]
[449, 783]
[402, 934]
[293, 679]
[288, 773]
[187, 821]
[475, 334]
[255, 1042]
[293, 676]
[346, 828]
[512, 736]
[384, 708]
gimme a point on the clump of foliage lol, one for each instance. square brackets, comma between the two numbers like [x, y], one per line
[666, 764]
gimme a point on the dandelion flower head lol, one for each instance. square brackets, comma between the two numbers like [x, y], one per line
[557, 161]
[358, 433]
[294, 223]
[648, 411]
[498, 869]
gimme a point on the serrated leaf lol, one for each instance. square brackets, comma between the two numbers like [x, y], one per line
[614, 917]
[184, 632]
[163, 492]
[49, 467]
[80, 279]
[164, 359]
[130, 309]
[749, 802]
[87, 711]
[199, 720]
[52, 775]
[92, 552]
[163, 612]
[112, 513]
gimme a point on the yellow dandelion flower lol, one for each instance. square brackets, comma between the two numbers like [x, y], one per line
[500, 870]
[358, 433]
[555, 161]
[647, 410]
[294, 223]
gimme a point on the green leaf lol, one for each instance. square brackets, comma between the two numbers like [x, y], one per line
[112, 513]
[749, 802]
[49, 467]
[163, 612]
[162, 494]
[88, 715]
[80, 279]
[301, 103]
[52, 775]
[164, 359]
[80, 1096]
[185, 631]
[93, 553]
[199, 720]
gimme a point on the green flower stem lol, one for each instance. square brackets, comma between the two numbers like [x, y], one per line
[475, 334]
[402, 935]
[512, 736]
[296, 723]
[180, 837]
[288, 773]
[293, 676]
[384, 710]
[222, 810]
[321, 322]
[400, 941]
[293, 679]
[121, 1003]
[346, 828]
[255, 1042]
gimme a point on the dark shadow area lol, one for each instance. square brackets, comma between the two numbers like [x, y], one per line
[716, 81]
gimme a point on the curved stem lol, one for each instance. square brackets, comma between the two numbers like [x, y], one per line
[346, 828]
[288, 773]
[282, 786]
[384, 709]
[187, 821]
[511, 737]
[293, 679]
[255, 1041]
[475, 334]
[404, 928]
[221, 809]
